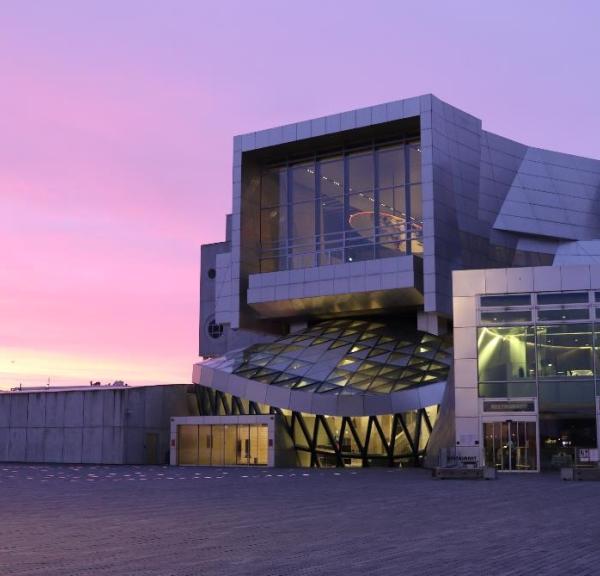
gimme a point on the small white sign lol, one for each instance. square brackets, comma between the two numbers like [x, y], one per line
[588, 454]
[467, 439]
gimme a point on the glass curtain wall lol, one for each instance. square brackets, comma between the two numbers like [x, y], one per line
[553, 357]
[345, 207]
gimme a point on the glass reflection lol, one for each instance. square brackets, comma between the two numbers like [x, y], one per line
[570, 396]
[344, 208]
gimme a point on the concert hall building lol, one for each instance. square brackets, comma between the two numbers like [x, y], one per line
[398, 285]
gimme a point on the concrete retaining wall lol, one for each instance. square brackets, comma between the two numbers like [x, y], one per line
[92, 426]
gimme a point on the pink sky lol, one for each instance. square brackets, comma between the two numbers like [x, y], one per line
[116, 130]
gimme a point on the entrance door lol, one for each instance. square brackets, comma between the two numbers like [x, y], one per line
[510, 445]
[221, 444]
[151, 446]
[259, 438]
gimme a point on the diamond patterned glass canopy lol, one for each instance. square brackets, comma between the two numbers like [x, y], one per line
[345, 357]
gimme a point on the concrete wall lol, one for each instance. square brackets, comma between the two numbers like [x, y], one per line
[90, 426]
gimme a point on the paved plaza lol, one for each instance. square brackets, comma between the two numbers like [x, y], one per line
[117, 520]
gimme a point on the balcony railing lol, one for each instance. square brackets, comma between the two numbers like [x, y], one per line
[339, 247]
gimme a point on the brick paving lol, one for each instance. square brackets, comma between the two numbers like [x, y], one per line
[127, 520]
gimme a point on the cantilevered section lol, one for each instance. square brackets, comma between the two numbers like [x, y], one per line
[339, 367]
[371, 286]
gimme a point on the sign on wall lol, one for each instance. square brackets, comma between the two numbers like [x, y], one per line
[508, 406]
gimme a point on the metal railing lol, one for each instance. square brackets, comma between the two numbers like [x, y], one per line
[340, 247]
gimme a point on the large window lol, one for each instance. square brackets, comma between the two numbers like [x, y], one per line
[351, 206]
[552, 346]
[506, 353]
[565, 350]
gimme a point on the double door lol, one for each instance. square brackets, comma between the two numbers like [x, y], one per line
[511, 445]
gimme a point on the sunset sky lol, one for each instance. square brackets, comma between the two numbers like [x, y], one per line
[116, 127]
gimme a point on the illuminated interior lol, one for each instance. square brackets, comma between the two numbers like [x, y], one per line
[553, 359]
[345, 357]
[341, 208]
[222, 445]
[327, 441]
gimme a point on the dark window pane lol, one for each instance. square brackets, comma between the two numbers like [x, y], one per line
[273, 226]
[303, 183]
[562, 298]
[360, 171]
[506, 353]
[507, 389]
[506, 316]
[415, 162]
[332, 221]
[390, 163]
[270, 264]
[301, 258]
[561, 434]
[274, 187]
[565, 350]
[391, 228]
[416, 219]
[332, 180]
[361, 202]
[392, 202]
[361, 218]
[506, 300]
[416, 206]
[570, 396]
[360, 238]
[303, 221]
[577, 314]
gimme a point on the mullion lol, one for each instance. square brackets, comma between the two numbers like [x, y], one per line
[225, 404]
[393, 436]
[238, 405]
[382, 435]
[318, 223]
[406, 432]
[427, 421]
[354, 433]
[342, 432]
[376, 208]
[212, 403]
[418, 434]
[407, 207]
[305, 431]
[346, 165]
[290, 218]
[367, 440]
[332, 441]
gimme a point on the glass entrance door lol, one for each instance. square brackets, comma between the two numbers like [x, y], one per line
[510, 445]
[223, 444]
